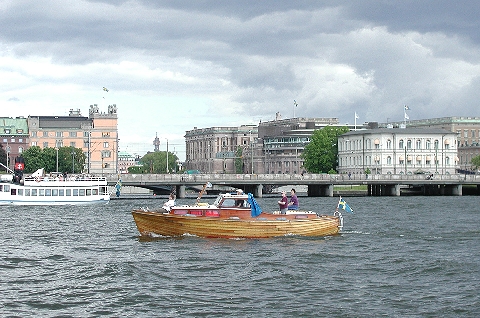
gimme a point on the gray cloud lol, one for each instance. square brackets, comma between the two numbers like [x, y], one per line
[253, 58]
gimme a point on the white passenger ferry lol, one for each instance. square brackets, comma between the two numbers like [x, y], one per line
[38, 189]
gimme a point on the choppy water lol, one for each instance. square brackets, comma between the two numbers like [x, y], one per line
[397, 257]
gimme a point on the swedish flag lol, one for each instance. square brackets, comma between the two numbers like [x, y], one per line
[344, 206]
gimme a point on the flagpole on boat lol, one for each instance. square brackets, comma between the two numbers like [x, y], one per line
[206, 185]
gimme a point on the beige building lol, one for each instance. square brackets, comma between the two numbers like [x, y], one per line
[274, 147]
[218, 149]
[96, 135]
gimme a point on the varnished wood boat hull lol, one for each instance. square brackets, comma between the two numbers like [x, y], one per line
[154, 223]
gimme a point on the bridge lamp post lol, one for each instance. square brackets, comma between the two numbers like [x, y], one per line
[56, 149]
[73, 161]
[251, 150]
[167, 154]
[224, 147]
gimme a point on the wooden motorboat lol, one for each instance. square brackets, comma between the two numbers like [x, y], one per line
[234, 216]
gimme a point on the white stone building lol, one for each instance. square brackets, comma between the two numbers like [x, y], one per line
[398, 151]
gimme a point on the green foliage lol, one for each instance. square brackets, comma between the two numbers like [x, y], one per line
[3, 156]
[239, 160]
[137, 170]
[37, 158]
[320, 155]
[156, 162]
[476, 161]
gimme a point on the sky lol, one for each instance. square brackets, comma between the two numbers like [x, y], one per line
[172, 65]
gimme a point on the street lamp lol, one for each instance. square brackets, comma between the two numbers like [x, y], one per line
[56, 148]
[73, 161]
[167, 154]
[224, 146]
[251, 149]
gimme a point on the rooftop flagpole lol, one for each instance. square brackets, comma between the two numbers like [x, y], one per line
[405, 116]
[356, 117]
[294, 106]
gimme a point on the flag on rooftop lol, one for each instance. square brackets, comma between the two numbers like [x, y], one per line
[406, 107]
[105, 89]
[356, 116]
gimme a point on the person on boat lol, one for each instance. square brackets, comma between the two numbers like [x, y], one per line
[167, 206]
[293, 204]
[239, 203]
[283, 203]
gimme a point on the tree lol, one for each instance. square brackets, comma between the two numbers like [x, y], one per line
[36, 158]
[3, 155]
[476, 162]
[321, 154]
[239, 160]
[156, 162]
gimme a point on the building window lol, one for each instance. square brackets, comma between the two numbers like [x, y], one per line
[45, 144]
[72, 134]
[20, 149]
[106, 154]
[435, 144]
[34, 134]
[105, 144]
[409, 144]
[72, 144]
[389, 160]
[86, 133]
[58, 143]
[34, 143]
[45, 134]
[105, 134]
[400, 144]
[59, 134]
[427, 144]
[419, 144]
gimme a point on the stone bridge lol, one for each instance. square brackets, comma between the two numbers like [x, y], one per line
[318, 184]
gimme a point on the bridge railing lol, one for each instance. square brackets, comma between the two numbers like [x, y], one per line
[275, 178]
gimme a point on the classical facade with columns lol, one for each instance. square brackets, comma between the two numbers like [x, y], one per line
[398, 151]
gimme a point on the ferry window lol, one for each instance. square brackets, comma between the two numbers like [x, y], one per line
[34, 192]
[68, 192]
[20, 191]
[61, 192]
[82, 192]
[75, 192]
[13, 192]
[27, 192]
[48, 192]
[41, 192]
[1, 187]
[55, 192]
[89, 191]
[6, 188]
[94, 191]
